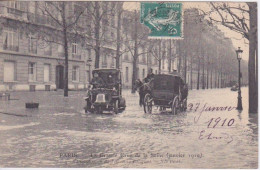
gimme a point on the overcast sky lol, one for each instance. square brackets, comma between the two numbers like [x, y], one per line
[237, 39]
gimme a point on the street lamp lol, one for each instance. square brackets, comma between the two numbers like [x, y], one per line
[239, 57]
[89, 65]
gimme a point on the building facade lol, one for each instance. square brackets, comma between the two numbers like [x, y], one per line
[27, 62]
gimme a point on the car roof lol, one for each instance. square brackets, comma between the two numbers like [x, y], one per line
[113, 70]
[168, 75]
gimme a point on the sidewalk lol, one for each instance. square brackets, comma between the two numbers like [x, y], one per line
[49, 102]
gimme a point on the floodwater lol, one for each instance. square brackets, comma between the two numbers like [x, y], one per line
[61, 134]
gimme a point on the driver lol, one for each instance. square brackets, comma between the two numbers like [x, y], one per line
[149, 77]
[97, 81]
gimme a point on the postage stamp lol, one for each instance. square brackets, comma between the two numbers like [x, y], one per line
[163, 19]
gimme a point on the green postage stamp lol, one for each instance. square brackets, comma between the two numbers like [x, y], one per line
[163, 19]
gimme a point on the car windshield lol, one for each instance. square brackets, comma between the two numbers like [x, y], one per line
[108, 78]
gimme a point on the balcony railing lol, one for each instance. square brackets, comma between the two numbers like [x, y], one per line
[76, 56]
[32, 50]
[47, 53]
[60, 54]
[11, 47]
[41, 19]
[104, 65]
[14, 11]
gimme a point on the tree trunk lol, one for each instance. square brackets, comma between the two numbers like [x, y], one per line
[185, 68]
[203, 73]
[198, 79]
[191, 72]
[135, 53]
[97, 35]
[170, 57]
[211, 70]
[252, 69]
[66, 76]
[118, 39]
[207, 71]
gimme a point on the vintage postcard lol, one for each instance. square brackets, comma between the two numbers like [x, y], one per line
[101, 84]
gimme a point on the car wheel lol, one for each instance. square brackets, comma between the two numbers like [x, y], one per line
[116, 106]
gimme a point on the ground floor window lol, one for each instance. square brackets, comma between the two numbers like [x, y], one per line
[143, 73]
[32, 71]
[75, 73]
[126, 74]
[9, 71]
[47, 72]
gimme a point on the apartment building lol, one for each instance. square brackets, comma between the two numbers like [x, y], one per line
[29, 63]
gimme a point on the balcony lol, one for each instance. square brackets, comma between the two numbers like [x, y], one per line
[32, 50]
[49, 53]
[14, 11]
[104, 65]
[11, 47]
[41, 19]
[61, 54]
[76, 56]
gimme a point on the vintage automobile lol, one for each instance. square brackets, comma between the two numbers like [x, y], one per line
[234, 88]
[166, 91]
[105, 95]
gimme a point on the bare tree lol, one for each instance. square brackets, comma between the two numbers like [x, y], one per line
[65, 23]
[242, 18]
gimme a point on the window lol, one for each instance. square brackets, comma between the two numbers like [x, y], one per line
[113, 62]
[75, 73]
[126, 57]
[126, 74]
[112, 21]
[104, 61]
[74, 48]
[10, 40]
[112, 35]
[163, 64]
[143, 58]
[9, 71]
[47, 47]
[32, 44]
[143, 73]
[137, 73]
[46, 73]
[14, 4]
[32, 71]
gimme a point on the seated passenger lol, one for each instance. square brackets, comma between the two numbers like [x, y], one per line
[97, 81]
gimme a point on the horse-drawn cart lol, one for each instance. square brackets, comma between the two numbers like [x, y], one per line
[166, 91]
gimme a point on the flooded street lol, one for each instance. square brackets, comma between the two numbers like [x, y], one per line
[210, 134]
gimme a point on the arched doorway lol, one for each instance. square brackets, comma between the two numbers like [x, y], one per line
[59, 77]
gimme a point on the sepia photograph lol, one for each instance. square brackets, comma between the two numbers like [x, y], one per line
[118, 84]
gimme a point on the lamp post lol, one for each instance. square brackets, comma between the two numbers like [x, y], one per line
[89, 66]
[239, 57]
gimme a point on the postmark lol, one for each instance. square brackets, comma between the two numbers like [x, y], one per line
[163, 19]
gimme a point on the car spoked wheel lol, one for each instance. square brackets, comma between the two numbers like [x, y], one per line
[175, 105]
[148, 104]
[116, 106]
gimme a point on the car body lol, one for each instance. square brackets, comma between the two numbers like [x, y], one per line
[107, 94]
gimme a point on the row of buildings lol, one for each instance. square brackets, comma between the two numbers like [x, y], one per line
[28, 61]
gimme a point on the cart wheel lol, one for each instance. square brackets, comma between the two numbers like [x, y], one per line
[175, 105]
[148, 103]
[116, 106]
